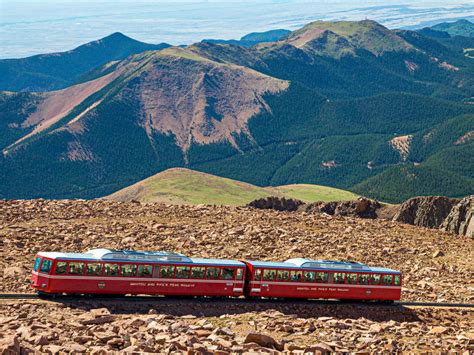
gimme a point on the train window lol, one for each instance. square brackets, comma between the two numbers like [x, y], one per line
[363, 279]
[182, 272]
[339, 277]
[129, 270]
[197, 272]
[240, 274]
[258, 275]
[94, 269]
[283, 275]
[269, 275]
[351, 279]
[375, 279]
[61, 267]
[76, 268]
[145, 270]
[46, 266]
[166, 271]
[387, 280]
[111, 269]
[37, 263]
[321, 277]
[212, 273]
[296, 276]
[396, 279]
[309, 276]
[228, 274]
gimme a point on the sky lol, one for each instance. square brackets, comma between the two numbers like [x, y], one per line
[29, 27]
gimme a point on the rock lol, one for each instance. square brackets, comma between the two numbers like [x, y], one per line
[437, 254]
[10, 345]
[438, 330]
[13, 272]
[461, 218]
[276, 203]
[425, 211]
[263, 340]
[362, 207]
[98, 320]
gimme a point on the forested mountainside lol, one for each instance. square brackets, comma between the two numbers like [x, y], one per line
[354, 105]
[46, 72]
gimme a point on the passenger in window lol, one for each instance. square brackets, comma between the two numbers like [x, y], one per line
[145, 270]
[321, 277]
[240, 274]
[396, 281]
[197, 272]
[94, 269]
[129, 270]
[111, 269]
[375, 279]
[46, 266]
[283, 275]
[363, 279]
[258, 275]
[268, 275]
[339, 278]
[182, 272]
[76, 268]
[212, 273]
[228, 274]
[387, 280]
[61, 267]
[309, 276]
[351, 279]
[166, 271]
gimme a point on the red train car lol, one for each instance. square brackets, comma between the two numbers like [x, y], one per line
[104, 271]
[307, 278]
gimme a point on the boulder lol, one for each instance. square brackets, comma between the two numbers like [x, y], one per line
[460, 220]
[10, 345]
[425, 211]
[362, 207]
[276, 203]
[263, 340]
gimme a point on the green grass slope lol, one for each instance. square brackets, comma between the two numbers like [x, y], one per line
[184, 186]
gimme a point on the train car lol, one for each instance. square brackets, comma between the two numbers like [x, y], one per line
[307, 278]
[106, 271]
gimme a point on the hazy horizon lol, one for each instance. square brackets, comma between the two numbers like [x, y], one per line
[28, 27]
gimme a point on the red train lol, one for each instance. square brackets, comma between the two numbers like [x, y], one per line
[119, 272]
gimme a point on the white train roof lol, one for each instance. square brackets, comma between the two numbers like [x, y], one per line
[138, 256]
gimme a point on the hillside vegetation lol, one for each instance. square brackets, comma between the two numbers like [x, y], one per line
[184, 186]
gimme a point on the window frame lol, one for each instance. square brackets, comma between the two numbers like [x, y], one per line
[382, 280]
[145, 265]
[239, 274]
[182, 267]
[356, 278]
[259, 272]
[123, 275]
[399, 280]
[118, 270]
[334, 278]
[86, 269]
[274, 271]
[43, 260]
[375, 275]
[221, 275]
[218, 277]
[56, 267]
[37, 263]
[76, 262]
[277, 278]
[325, 273]
[167, 266]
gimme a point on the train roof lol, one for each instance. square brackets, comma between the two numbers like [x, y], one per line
[334, 265]
[113, 255]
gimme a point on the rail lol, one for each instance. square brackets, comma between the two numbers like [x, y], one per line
[119, 298]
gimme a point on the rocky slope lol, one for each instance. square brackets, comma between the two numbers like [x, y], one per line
[436, 267]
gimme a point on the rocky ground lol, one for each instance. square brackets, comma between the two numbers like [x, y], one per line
[437, 267]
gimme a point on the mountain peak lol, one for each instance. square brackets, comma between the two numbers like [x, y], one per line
[365, 34]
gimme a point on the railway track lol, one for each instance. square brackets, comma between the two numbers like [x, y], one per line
[70, 298]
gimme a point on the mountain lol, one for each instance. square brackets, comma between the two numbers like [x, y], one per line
[47, 72]
[352, 105]
[253, 38]
[184, 186]
[458, 28]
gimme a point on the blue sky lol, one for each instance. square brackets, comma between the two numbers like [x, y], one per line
[30, 27]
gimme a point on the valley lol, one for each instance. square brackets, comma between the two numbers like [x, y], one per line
[321, 105]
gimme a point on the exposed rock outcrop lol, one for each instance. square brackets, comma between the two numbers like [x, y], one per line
[362, 207]
[461, 218]
[276, 203]
[425, 211]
